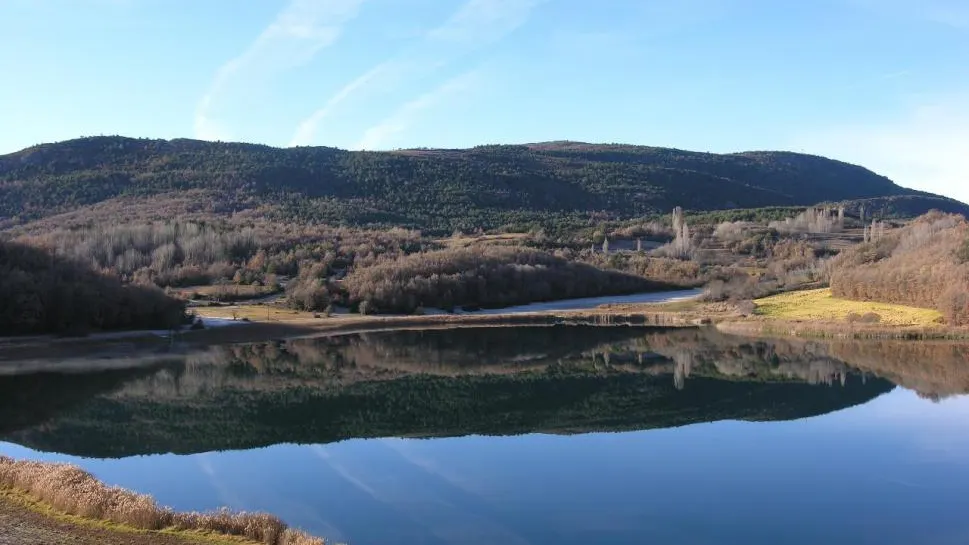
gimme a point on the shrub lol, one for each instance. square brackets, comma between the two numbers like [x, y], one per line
[745, 308]
[731, 231]
[871, 318]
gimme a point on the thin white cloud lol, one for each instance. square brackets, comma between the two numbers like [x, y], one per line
[482, 21]
[299, 31]
[476, 24]
[379, 135]
[307, 128]
[923, 148]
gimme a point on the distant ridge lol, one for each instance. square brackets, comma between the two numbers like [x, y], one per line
[96, 178]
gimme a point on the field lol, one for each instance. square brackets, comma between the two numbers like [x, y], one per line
[263, 313]
[820, 305]
[227, 292]
[464, 241]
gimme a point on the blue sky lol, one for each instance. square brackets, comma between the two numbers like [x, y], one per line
[882, 83]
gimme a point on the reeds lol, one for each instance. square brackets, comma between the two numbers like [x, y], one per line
[71, 490]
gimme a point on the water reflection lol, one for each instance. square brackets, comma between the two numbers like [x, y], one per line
[890, 470]
[431, 383]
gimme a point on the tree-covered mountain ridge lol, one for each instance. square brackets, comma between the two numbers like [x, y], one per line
[434, 189]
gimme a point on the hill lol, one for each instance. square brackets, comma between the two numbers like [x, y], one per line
[116, 178]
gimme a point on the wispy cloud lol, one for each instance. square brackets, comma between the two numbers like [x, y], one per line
[476, 24]
[299, 31]
[482, 21]
[923, 147]
[307, 128]
[377, 136]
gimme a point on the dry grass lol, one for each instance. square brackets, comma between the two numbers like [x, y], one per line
[821, 305]
[260, 313]
[465, 241]
[70, 490]
[227, 291]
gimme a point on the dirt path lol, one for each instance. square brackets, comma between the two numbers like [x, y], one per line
[21, 526]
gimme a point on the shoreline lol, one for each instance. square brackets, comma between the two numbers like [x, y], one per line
[41, 500]
[110, 349]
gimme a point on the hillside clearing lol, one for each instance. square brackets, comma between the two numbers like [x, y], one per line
[821, 305]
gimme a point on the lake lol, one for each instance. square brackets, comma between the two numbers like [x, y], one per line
[543, 435]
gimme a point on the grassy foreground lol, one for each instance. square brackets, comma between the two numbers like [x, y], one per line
[821, 305]
[67, 496]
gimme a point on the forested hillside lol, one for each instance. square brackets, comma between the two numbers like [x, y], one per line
[43, 293]
[115, 178]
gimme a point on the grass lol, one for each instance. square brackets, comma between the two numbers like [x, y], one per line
[820, 305]
[259, 313]
[67, 491]
[229, 292]
[464, 241]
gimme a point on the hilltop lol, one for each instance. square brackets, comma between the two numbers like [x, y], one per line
[116, 178]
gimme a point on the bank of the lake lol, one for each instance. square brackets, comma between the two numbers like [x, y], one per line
[810, 314]
[24, 520]
[60, 503]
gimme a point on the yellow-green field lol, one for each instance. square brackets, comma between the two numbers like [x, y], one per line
[820, 305]
[259, 313]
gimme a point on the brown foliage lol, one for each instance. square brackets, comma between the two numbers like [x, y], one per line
[918, 265]
[483, 277]
[866, 318]
[189, 253]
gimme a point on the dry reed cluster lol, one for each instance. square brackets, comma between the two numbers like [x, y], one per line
[69, 489]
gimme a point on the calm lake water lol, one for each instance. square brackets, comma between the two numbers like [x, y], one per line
[552, 435]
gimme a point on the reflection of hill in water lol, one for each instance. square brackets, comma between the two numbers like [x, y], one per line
[431, 383]
[933, 369]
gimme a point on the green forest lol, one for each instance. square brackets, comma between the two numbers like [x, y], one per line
[486, 187]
